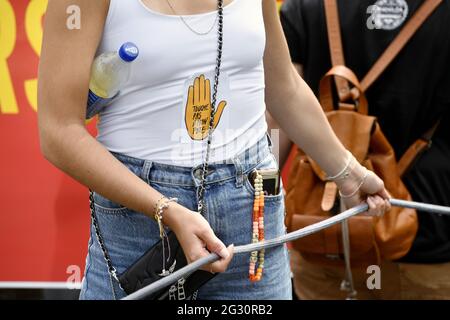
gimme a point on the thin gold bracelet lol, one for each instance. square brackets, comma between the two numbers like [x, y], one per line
[159, 214]
[157, 205]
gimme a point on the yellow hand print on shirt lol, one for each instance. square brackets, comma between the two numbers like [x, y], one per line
[198, 109]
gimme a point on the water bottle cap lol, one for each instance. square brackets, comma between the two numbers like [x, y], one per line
[128, 52]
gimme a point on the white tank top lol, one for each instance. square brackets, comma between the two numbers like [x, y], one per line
[161, 114]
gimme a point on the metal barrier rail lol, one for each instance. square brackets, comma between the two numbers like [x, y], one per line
[183, 272]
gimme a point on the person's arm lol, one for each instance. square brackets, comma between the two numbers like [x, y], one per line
[284, 143]
[64, 73]
[294, 106]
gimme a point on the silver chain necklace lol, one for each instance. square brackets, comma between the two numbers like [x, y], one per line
[202, 187]
[188, 26]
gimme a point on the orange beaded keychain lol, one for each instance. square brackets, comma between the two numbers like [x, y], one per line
[256, 271]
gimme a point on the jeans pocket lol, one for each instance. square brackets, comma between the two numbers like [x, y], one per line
[105, 205]
[268, 163]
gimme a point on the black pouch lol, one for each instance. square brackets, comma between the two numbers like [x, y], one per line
[149, 268]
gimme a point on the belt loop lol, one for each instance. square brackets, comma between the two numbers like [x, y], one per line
[145, 174]
[239, 172]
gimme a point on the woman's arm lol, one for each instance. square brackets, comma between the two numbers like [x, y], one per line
[284, 143]
[294, 106]
[64, 73]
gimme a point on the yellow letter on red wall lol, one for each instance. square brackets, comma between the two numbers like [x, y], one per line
[8, 103]
[33, 27]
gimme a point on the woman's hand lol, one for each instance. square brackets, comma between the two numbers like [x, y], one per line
[197, 238]
[364, 185]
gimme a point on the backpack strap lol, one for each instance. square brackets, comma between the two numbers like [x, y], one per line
[345, 74]
[416, 149]
[335, 44]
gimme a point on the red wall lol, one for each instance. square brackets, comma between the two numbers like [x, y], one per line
[44, 216]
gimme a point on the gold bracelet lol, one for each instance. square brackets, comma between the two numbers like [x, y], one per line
[157, 205]
[159, 213]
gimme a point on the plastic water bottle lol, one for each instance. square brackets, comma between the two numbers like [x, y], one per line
[110, 71]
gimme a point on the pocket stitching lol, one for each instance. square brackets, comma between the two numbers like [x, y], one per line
[111, 210]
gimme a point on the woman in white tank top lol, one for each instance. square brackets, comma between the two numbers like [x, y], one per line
[150, 147]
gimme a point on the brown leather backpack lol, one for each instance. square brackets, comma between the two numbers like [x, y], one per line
[310, 198]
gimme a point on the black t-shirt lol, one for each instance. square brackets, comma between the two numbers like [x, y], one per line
[408, 98]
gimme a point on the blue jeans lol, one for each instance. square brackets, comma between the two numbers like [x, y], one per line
[229, 201]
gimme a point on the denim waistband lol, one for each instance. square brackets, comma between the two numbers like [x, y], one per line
[234, 168]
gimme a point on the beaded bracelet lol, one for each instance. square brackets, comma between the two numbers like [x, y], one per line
[257, 259]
